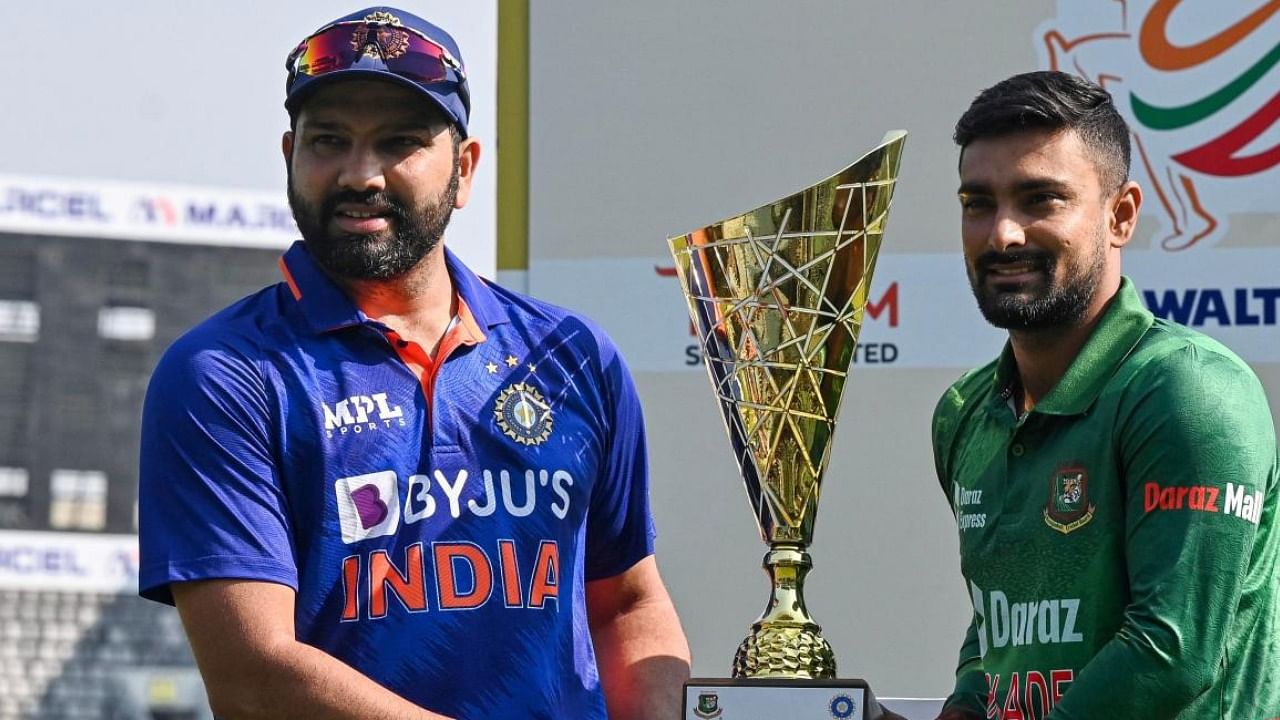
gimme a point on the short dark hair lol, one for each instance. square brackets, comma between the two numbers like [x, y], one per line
[1051, 100]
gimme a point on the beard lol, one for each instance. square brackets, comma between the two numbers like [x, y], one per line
[413, 232]
[1060, 304]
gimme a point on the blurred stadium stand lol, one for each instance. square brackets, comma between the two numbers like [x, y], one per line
[82, 323]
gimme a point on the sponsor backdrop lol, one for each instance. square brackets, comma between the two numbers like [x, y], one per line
[135, 211]
[75, 562]
[913, 318]
[652, 120]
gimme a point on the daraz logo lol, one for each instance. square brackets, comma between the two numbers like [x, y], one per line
[1199, 83]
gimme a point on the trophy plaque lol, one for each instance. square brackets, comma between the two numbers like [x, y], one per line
[777, 297]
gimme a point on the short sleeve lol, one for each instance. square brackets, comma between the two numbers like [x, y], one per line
[209, 505]
[620, 529]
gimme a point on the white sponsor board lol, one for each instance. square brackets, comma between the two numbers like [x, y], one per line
[922, 313]
[708, 700]
[73, 562]
[137, 211]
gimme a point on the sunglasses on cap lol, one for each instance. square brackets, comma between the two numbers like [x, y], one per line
[403, 50]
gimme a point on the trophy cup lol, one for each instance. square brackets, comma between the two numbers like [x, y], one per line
[777, 297]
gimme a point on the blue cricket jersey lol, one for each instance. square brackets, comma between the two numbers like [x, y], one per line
[438, 520]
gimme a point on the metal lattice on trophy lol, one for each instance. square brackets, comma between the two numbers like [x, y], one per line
[777, 297]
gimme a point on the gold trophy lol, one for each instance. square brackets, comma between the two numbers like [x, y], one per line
[777, 297]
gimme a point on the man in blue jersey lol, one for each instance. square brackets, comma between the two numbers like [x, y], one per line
[386, 488]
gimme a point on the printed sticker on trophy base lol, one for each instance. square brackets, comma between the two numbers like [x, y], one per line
[771, 699]
[777, 297]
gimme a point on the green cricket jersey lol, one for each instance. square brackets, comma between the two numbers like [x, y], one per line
[1119, 541]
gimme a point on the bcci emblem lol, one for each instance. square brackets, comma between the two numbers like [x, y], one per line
[392, 41]
[708, 706]
[523, 414]
[843, 706]
[1068, 508]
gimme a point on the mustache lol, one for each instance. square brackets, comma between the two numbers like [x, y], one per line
[372, 198]
[1038, 260]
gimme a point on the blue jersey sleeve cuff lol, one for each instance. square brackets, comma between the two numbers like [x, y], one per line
[154, 580]
[620, 561]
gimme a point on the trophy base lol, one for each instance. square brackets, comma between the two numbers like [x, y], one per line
[709, 698]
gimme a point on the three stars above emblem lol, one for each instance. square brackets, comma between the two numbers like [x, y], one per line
[511, 361]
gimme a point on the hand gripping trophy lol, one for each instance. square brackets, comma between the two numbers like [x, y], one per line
[777, 297]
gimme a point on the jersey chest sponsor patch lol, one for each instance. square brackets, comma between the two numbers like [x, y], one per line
[1005, 622]
[1235, 500]
[361, 413]
[967, 503]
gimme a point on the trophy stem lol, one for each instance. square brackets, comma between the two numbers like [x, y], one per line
[785, 642]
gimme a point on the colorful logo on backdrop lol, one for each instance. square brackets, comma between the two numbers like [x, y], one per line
[1199, 83]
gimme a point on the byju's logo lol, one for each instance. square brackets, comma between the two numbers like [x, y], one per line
[368, 505]
[361, 412]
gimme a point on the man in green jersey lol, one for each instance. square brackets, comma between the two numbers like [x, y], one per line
[1113, 476]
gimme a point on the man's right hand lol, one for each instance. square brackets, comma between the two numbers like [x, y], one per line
[242, 635]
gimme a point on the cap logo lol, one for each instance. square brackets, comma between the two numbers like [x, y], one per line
[392, 41]
[382, 16]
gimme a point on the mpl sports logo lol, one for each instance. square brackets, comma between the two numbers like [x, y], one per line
[361, 413]
[1199, 83]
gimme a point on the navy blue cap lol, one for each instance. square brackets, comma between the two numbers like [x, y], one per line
[452, 95]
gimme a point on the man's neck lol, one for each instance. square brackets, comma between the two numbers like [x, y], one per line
[418, 305]
[1044, 356]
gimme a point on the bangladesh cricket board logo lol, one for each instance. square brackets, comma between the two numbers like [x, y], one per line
[1068, 508]
[1199, 83]
[708, 705]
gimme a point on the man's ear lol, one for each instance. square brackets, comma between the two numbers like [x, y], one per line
[286, 147]
[468, 159]
[1124, 213]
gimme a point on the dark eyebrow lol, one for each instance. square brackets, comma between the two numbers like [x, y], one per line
[415, 126]
[328, 125]
[1035, 184]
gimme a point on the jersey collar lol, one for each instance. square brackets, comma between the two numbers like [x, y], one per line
[475, 291]
[1122, 325]
[326, 308]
